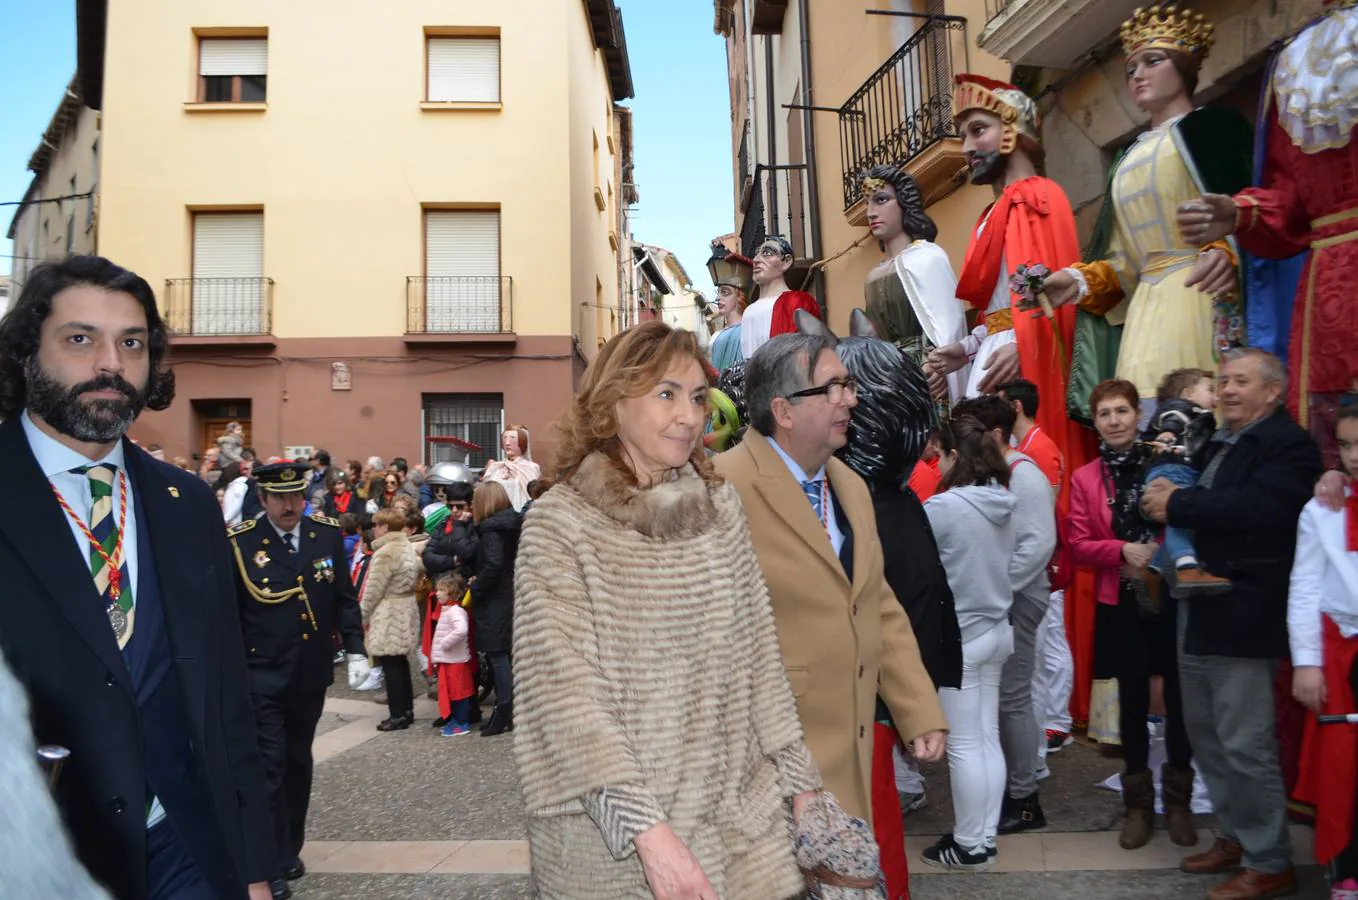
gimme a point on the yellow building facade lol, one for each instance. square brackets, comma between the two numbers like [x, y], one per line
[867, 86]
[373, 226]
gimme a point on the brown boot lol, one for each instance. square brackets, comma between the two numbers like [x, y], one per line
[1138, 795]
[1222, 856]
[1252, 885]
[1196, 582]
[1177, 793]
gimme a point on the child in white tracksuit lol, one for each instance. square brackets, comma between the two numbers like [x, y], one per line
[972, 519]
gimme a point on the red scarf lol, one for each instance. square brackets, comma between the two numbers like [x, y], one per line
[1351, 522]
[981, 267]
[342, 502]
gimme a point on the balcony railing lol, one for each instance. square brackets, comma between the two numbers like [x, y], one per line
[459, 304]
[775, 204]
[905, 107]
[219, 307]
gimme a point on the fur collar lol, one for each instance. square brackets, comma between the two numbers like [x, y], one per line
[391, 537]
[677, 508]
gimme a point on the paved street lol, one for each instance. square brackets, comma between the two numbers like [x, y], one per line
[414, 815]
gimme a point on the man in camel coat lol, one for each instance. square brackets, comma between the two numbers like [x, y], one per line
[844, 636]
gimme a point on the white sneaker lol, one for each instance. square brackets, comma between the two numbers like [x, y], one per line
[372, 682]
[1044, 773]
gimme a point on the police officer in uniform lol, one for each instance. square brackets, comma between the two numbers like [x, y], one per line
[292, 582]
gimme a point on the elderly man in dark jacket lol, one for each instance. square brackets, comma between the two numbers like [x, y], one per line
[1260, 471]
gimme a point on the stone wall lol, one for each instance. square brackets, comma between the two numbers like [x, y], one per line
[1090, 115]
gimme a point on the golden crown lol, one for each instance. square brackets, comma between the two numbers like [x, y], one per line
[1168, 28]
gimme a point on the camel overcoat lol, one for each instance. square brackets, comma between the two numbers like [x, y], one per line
[842, 642]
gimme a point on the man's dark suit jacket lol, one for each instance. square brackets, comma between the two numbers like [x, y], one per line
[1245, 529]
[57, 640]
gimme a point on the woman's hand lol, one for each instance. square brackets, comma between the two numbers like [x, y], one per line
[1330, 490]
[1209, 218]
[672, 871]
[1308, 687]
[946, 360]
[799, 803]
[1213, 274]
[1060, 287]
[1138, 556]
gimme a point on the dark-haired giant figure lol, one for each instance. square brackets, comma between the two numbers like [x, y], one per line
[912, 295]
[120, 612]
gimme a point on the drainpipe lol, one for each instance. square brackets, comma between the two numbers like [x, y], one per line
[769, 96]
[809, 136]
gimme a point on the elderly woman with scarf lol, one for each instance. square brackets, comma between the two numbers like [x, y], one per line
[1134, 619]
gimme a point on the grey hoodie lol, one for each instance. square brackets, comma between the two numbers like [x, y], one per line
[1034, 527]
[974, 527]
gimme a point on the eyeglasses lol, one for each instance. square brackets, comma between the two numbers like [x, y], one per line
[833, 391]
[457, 506]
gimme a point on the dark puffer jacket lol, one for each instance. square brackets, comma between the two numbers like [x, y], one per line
[497, 543]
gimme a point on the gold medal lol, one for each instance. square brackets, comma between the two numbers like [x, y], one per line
[262, 559]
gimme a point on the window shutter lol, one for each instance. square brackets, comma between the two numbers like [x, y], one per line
[233, 56]
[462, 269]
[465, 70]
[228, 273]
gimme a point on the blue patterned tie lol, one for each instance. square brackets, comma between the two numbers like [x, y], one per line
[815, 492]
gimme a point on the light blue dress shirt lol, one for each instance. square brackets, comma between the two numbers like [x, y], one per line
[831, 523]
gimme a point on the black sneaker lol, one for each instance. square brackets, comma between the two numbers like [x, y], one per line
[1021, 814]
[948, 854]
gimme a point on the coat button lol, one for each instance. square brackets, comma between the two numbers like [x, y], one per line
[117, 804]
[306, 637]
[860, 671]
[862, 731]
[303, 617]
[110, 679]
[855, 609]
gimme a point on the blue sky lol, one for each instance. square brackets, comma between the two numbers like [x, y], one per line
[681, 116]
[37, 64]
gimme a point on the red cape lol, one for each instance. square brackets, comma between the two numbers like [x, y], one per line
[785, 311]
[1039, 227]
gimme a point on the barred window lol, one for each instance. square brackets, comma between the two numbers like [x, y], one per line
[475, 418]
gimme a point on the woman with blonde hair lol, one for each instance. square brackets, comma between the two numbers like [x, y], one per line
[391, 613]
[657, 738]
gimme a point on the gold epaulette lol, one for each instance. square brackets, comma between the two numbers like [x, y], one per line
[325, 520]
[243, 527]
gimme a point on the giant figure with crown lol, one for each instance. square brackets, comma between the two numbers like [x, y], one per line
[1306, 202]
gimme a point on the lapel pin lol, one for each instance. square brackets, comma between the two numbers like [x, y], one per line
[311, 534]
[174, 492]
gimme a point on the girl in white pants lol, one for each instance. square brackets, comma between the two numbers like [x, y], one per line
[972, 521]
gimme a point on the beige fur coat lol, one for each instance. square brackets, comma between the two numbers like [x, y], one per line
[389, 607]
[649, 687]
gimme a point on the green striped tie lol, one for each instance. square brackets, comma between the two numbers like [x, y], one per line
[105, 530]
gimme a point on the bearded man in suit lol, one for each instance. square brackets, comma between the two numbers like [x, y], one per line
[122, 622]
[844, 636]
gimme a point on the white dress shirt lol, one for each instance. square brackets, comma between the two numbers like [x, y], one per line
[831, 523]
[57, 462]
[1324, 583]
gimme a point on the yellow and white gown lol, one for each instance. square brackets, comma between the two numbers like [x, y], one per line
[1140, 285]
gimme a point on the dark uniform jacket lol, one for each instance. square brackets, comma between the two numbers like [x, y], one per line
[59, 644]
[1245, 528]
[290, 604]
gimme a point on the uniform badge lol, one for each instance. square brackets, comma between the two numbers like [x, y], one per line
[324, 568]
[262, 558]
